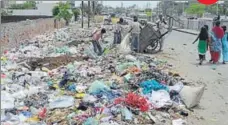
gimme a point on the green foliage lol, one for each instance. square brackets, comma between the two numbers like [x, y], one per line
[76, 13]
[64, 12]
[55, 11]
[148, 12]
[26, 5]
[196, 8]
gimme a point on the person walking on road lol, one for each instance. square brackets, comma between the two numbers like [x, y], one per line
[135, 32]
[225, 45]
[203, 44]
[117, 31]
[96, 36]
[215, 42]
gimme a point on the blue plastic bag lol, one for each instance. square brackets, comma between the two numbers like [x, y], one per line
[150, 85]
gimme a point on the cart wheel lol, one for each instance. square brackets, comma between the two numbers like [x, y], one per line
[154, 48]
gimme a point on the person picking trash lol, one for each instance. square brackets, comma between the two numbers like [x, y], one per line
[135, 32]
[117, 31]
[96, 36]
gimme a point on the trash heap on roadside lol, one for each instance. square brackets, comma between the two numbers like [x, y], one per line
[46, 82]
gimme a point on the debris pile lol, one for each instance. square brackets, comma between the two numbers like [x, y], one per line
[70, 87]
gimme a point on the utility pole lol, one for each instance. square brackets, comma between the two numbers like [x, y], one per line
[217, 8]
[82, 9]
[89, 13]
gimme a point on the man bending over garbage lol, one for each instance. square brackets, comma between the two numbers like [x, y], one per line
[96, 36]
[135, 31]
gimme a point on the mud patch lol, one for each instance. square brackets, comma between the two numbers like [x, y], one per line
[53, 62]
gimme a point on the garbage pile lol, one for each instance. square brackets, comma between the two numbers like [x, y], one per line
[43, 83]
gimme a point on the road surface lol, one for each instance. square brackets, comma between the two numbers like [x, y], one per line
[213, 108]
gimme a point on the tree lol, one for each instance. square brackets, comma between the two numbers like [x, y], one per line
[55, 11]
[196, 8]
[26, 5]
[64, 12]
[76, 13]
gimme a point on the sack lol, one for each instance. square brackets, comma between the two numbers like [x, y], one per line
[191, 95]
[125, 44]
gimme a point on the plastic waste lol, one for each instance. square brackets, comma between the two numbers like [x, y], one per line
[125, 45]
[80, 88]
[161, 99]
[42, 113]
[72, 87]
[128, 77]
[97, 86]
[179, 122]
[90, 121]
[150, 85]
[61, 102]
[130, 58]
[7, 101]
[64, 80]
[177, 87]
[89, 99]
[127, 114]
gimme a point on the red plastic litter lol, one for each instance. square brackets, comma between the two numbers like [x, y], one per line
[134, 101]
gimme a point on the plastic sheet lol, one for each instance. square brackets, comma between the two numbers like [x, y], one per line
[161, 99]
[91, 121]
[7, 101]
[62, 102]
[125, 45]
[179, 122]
[150, 85]
[97, 86]
[127, 114]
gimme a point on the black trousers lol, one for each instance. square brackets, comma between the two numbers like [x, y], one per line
[97, 47]
[201, 57]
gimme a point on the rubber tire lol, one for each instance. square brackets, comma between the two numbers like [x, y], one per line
[154, 49]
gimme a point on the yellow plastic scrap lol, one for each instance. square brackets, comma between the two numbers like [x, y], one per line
[3, 58]
[79, 95]
[45, 69]
[33, 119]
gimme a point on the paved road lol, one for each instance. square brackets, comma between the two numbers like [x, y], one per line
[213, 109]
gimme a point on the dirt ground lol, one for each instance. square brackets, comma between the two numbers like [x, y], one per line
[182, 54]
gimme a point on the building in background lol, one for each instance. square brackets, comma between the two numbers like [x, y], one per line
[43, 9]
[7, 3]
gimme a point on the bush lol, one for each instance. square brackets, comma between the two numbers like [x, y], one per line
[76, 13]
[55, 11]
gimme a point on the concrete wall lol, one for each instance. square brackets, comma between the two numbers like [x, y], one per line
[13, 34]
[43, 9]
[7, 19]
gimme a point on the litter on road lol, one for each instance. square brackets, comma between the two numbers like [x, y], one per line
[57, 79]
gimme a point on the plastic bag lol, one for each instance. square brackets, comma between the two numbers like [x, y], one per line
[150, 85]
[191, 95]
[91, 121]
[127, 114]
[125, 45]
[62, 102]
[179, 122]
[97, 86]
[7, 101]
[161, 99]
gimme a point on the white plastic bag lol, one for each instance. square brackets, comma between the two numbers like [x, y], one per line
[161, 99]
[125, 44]
[191, 95]
[179, 122]
[7, 101]
[62, 102]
